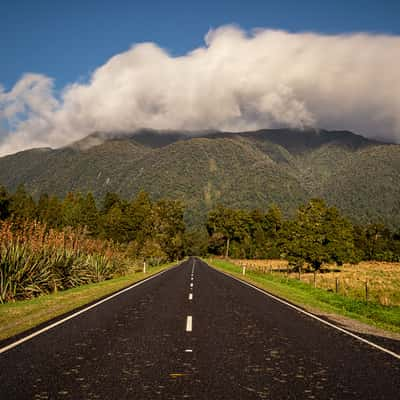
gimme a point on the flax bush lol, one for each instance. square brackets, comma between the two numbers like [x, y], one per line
[36, 260]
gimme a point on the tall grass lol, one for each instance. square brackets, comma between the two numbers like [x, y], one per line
[36, 260]
[375, 281]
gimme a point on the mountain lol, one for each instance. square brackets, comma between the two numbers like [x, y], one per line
[245, 169]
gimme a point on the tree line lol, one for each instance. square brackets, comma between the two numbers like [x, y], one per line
[317, 234]
[148, 229]
[156, 231]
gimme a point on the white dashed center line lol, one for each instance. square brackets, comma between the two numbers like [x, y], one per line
[191, 285]
[189, 323]
[190, 296]
[188, 351]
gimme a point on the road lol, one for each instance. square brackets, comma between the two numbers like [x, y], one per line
[210, 337]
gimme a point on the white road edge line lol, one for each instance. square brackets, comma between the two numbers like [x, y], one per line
[190, 296]
[61, 321]
[376, 346]
[189, 323]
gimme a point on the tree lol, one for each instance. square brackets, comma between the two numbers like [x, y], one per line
[22, 205]
[139, 218]
[114, 224]
[196, 242]
[72, 209]
[110, 199]
[54, 215]
[232, 225]
[90, 215]
[375, 241]
[318, 235]
[169, 227]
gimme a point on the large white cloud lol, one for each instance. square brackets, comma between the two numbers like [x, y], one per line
[236, 81]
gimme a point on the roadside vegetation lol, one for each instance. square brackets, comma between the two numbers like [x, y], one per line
[53, 245]
[49, 245]
[316, 300]
[19, 316]
[316, 235]
[317, 258]
[370, 281]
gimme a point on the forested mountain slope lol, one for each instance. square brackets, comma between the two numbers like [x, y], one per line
[246, 169]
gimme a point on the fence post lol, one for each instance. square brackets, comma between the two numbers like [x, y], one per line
[366, 290]
[299, 273]
[337, 285]
[315, 279]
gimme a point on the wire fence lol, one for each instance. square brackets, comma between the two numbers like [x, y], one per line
[377, 282]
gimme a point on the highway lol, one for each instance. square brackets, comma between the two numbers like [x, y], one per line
[195, 333]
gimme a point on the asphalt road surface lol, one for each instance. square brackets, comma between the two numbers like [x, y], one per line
[209, 337]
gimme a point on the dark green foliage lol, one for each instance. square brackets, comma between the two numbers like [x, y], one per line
[318, 234]
[244, 234]
[154, 230]
[169, 227]
[377, 242]
[22, 206]
[196, 242]
[4, 203]
[90, 214]
[114, 224]
[150, 230]
[110, 199]
[249, 170]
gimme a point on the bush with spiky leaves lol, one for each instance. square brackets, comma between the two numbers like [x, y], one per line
[35, 260]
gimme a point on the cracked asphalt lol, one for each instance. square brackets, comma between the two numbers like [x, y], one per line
[240, 344]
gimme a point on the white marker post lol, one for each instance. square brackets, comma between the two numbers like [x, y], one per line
[144, 267]
[244, 270]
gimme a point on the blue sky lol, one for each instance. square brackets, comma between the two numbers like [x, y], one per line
[66, 40]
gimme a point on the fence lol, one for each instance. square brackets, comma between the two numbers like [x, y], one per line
[368, 281]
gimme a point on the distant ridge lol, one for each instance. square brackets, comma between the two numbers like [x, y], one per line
[239, 169]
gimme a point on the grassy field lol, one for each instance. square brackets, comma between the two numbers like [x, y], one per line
[17, 317]
[377, 282]
[314, 299]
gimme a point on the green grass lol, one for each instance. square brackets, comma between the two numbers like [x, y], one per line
[21, 315]
[317, 300]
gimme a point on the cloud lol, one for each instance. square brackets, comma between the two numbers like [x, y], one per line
[237, 81]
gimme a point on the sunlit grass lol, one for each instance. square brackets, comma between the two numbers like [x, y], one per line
[382, 278]
[316, 299]
[17, 317]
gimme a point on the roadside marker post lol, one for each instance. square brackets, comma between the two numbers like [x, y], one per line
[144, 267]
